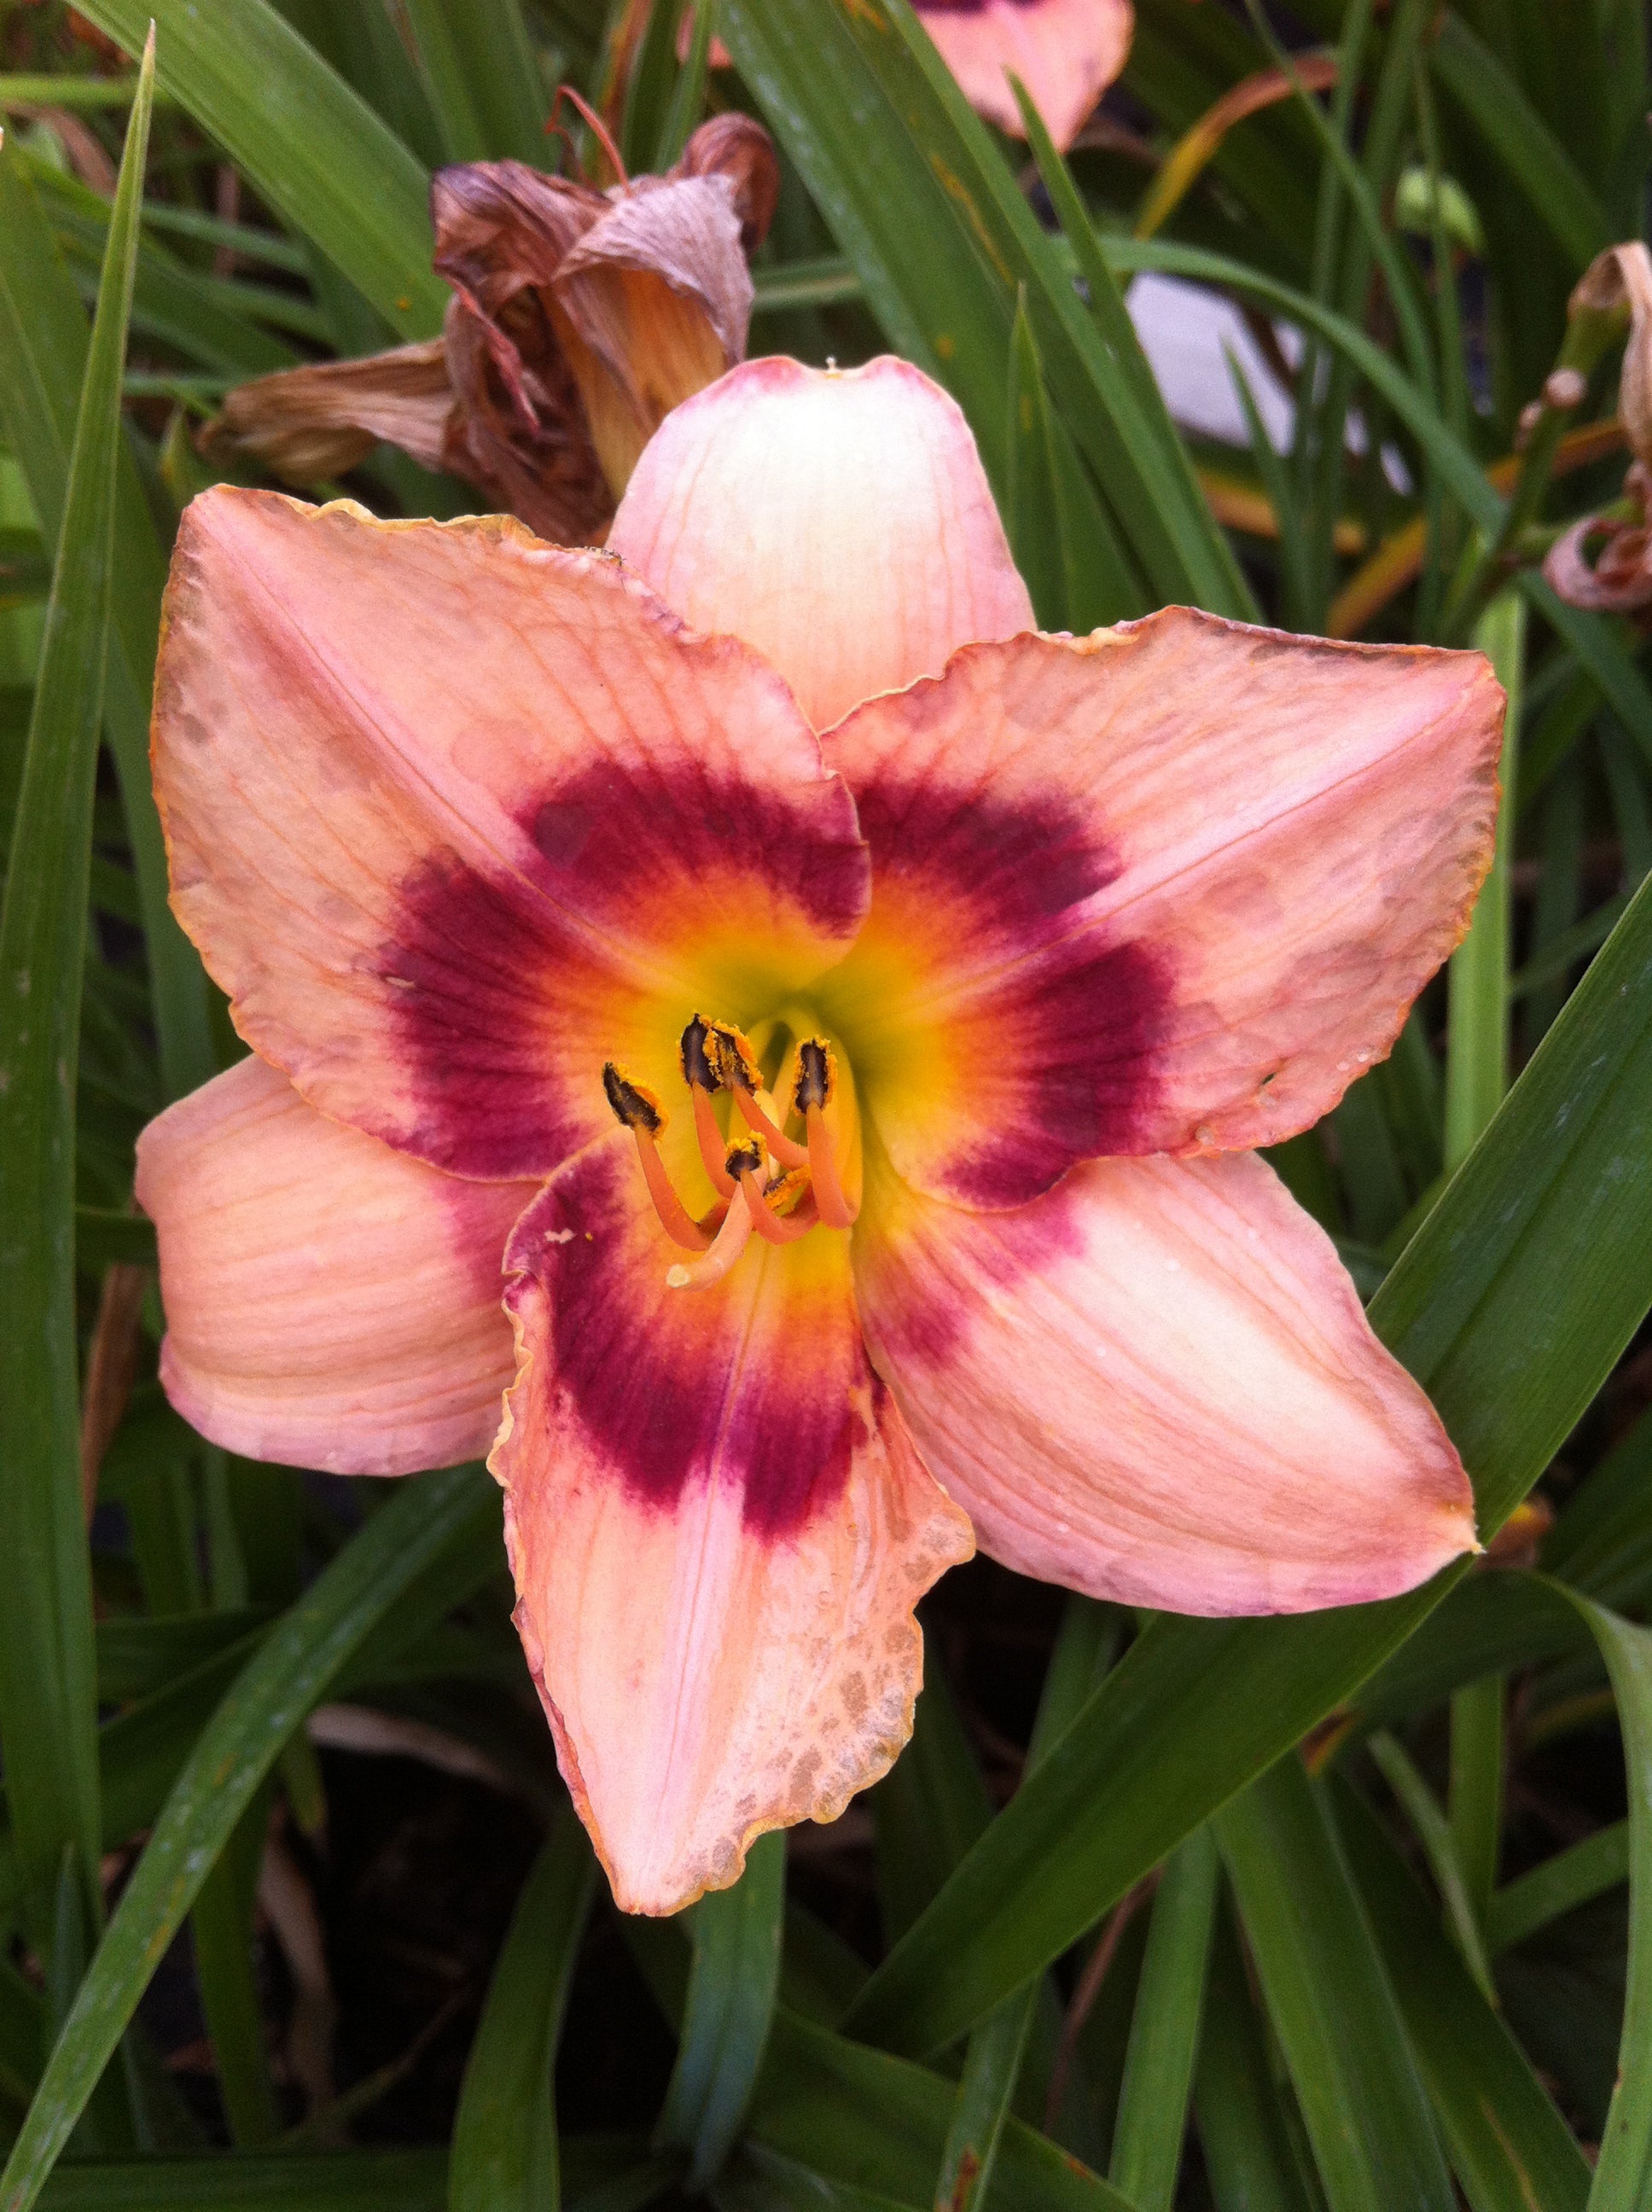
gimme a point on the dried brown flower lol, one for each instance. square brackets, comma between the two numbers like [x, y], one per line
[578, 319]
[1604, 562]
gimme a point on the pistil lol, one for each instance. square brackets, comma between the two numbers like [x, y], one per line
[725, 1249]
[775, 1228]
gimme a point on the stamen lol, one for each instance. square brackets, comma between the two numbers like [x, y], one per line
[774, 1228]
[816, 1080]
[732, 1056]
[637, 1109]
[725, 1249]
[711, 1144]
[740, 1160]
[701, 1075]
[789, 1153]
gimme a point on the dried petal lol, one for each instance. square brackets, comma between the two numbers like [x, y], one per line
[656, 299]
[304, 424]
[1621, 277]
[739, 150]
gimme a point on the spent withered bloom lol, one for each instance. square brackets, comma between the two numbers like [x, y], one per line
[1604, 562]
[578, 319]
[850, 1018]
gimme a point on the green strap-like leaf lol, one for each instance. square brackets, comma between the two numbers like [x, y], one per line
[1330, 2001]
[877, 2123]
[1569, 1878]
[43, 352]
[729, 2011]
[504, 2148]
[1532, 157]
[1158, 2070]
[48, 1703]
[1511, 2150]
[318, 154]
[1247, 2153]
[293, 1669]
[1623, 2173]
[992, 2065]
[1510, 1305]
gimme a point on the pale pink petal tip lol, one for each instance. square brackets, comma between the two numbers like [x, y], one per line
[838, 520]
[1065, 52]
[1156, 1384]
[330, 1303]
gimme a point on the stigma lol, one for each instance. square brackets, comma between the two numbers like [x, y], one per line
[774, 1168]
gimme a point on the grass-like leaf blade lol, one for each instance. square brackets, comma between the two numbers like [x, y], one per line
[48, 1669]
[729, 2012]
[504, 2148]
[1330, 2000]
[293, 1669]
[319, 154]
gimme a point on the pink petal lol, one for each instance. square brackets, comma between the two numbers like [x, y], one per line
[1067, 53]
[330, 1303]
[1156, 1384]
[454, 817]
[719, 1529]
[838, 520]
[1168, 889]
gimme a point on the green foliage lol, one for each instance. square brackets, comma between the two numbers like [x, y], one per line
[1331, 1913]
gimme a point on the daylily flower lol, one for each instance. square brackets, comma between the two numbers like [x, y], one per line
[1067, 53]
[860, 1083]
[578, 319]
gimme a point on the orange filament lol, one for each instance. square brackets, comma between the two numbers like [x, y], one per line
[678, 1224]
[834, 1207]
[713, 1265]
[789, 1153]
[817, 1079]
[711, 1143]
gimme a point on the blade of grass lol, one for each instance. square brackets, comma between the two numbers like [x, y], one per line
[446, 82]
[689, 93]
[1531, 156]
[1511, 2148]
[44, 343]
[1078, 573]
[48, 1702]
[1164, 2029]
[1330, 2001]
[1560, 1885]
[1248, 2155]
[992, 2064]
[364, 2180]
[1477, 1077]
[875, 2123]
[318, 155]
[729, 2012]
[1623, 2172]
[504, 2153]
[291, 1671]
[1434, 1832]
